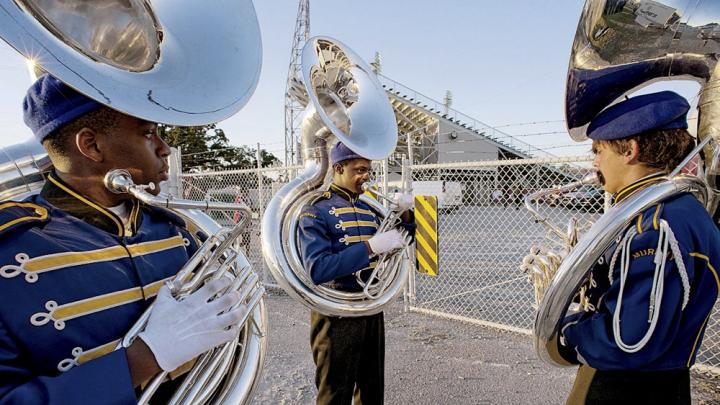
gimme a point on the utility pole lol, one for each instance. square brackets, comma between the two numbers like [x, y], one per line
[447, 102]
[376, 64]
[293, 109]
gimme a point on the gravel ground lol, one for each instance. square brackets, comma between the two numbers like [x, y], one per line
[428, 361]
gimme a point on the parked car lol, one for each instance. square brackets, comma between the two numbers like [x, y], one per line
[587, 198]
[449, 193]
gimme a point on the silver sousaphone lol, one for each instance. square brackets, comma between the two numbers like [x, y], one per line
[175, 62]
[156, 61]
[344, 100]
[621, 46]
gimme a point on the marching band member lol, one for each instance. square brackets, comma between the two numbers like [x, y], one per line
[337, 238]
[80, 264]
[650, 295]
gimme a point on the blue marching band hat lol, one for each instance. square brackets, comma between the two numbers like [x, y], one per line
[340, 153]
[50, 104]
[649, 112]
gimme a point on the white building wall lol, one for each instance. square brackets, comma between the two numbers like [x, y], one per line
[464, 146]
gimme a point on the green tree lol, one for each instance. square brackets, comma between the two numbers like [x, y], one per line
[208, 148]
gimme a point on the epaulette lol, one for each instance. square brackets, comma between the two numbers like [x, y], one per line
[321, 196]
[16, 214]
[649, 219]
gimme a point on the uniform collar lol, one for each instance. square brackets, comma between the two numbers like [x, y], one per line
[638, 185]
[61, 195]
[343, 192]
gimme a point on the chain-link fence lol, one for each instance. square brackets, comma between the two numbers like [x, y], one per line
[484, 231]
[253, 187]
[241, 186]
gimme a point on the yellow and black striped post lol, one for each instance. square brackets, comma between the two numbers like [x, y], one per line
[426, 235]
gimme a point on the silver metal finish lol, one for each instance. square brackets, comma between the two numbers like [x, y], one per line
[542, 263]
[488, 236]
[589, 179]
[619, 48]
[388, 264]
[348, 98]
[122, 34]
[228, 374]
[209, 379]
[574, 268]
[119, 181]
[144, 59]
[347, 102]
[147, 61]
[22, 169]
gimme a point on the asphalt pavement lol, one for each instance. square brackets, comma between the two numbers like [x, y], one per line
[429, 360]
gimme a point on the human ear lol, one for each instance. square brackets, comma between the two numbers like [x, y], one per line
[632, 153]
[339, 169]
[86, 142]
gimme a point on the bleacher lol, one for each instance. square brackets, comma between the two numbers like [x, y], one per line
[415, 110]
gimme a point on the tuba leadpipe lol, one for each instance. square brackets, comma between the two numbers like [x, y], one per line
[120, 181]
[566, 236]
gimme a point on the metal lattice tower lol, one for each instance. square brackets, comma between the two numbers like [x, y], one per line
[293, 109]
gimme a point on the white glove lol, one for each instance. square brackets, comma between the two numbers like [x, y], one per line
[542, 259]
[179, 331]
[405, 202]
[386, 241]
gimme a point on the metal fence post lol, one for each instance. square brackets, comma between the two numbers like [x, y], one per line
[261, 199]
[385, 170]
[411, 153]
[175, 172]
[409, 293]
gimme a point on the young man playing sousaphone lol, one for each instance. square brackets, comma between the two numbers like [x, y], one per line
[651, 293]
[337, 238]
[80, 264]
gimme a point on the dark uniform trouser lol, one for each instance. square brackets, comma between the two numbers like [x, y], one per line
[596, 387]
[349, 356]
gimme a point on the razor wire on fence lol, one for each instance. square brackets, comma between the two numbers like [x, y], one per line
[484, 231]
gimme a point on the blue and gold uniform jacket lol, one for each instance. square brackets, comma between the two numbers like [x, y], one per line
[331, 232]
[649, 312]
[73, 280]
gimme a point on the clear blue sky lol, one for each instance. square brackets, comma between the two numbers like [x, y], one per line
[505, 62]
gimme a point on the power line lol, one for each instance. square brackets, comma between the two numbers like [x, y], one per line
[483, 135]
[527, 123]
[532, 134]
[228, 148]
[210, 151]
[564, 146]
[486, 138]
